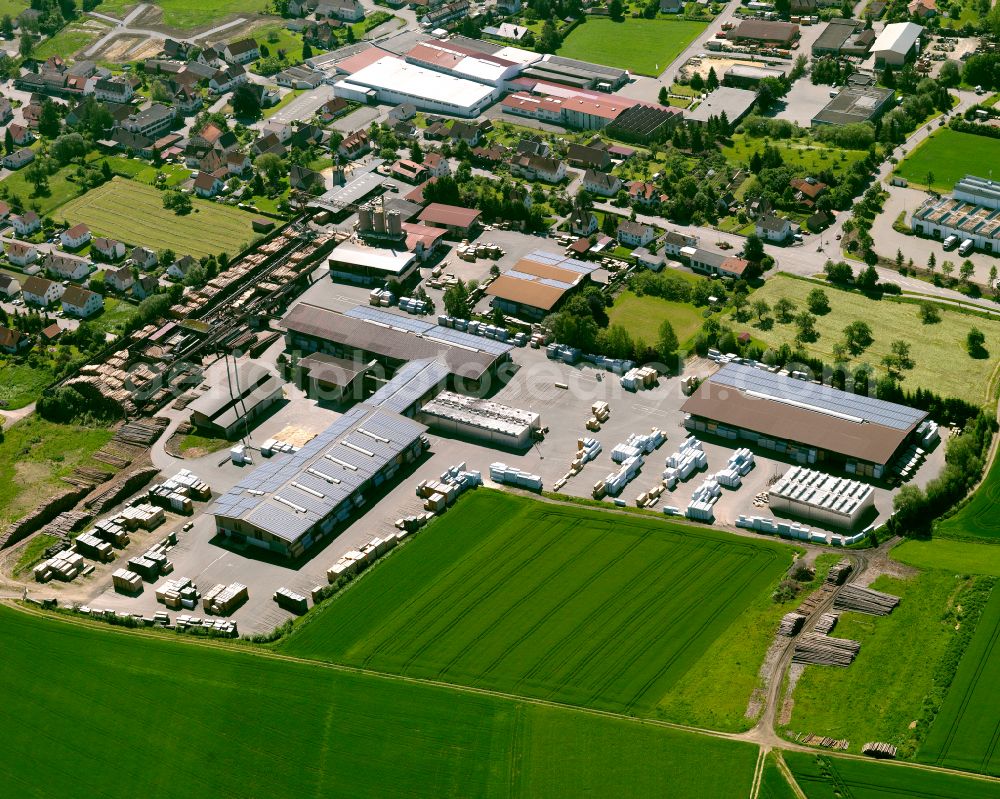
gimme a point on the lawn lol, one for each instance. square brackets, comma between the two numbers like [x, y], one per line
[274, 109]
[961, 557]
[967, 728]
[114, 316]
[949, 156]
[643, 46]
[977, 518]
[32, 552]
[229, 723]
[561, 603]
[70, 40]
[802, 156]
[190, 13]
[21, 381]
[860, 704]
[61, 190]
[824, 777]
[133, 212]
[932, 346]
[194, 446]
[144, 173]
[35, 454]
[642, 316]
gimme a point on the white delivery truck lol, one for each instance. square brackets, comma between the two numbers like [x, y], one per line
[965, 247]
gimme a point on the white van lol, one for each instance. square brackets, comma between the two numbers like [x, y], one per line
[950, 242]
[965, 247]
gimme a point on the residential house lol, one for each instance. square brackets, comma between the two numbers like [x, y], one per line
[507, 31]
[179, 269]
[410, 171]
[437, 165]
[346, 10]
[19, 158]
[489, 156]
[586, 157]
[135, 143]
[305, 135]
[652, 261]
[601, 183]
[145, 286]
[304, 179]
[20, 254]
[536, 167]
[75, 237]
[13, 341]
[65, 267]
[21, 135]
[635, 234]
[282, 130]
[227, 79]
[299, 78]
[187, 101]
[529, 146]
[807, 190]
[207, 185]
[151, 122]
[241, 52]
[922, 9]
[80, 302]
[582, 223]
[52, 332]
[332, 109]
[509, 6]
[773, 228]
[323, 33]
[405, 130]
[27, 223]
[712, 263]
[209, 56]
[237, 163]
[645, 194]
[119, 279]
[268, 143]
[465, 131]
[143, 257]
[175, 49]
[41, 292]
[403, 112]
[671, 6]
[116, 90]
[109, 249]
[10, 286]
[673, 242]
[354, 145]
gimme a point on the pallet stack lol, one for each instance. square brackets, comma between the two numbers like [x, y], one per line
[289, 600]
[221, 600]
[689, 458]
[178, 593]
[90, 546]
[126, 582]
[508, 475]
[63, 567]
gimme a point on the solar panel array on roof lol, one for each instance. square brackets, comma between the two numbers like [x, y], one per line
[419, 327]
[822, 399]
[408, 385]
[555, 259]
[289, 495]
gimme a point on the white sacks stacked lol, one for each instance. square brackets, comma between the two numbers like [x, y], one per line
[688, 459]
[508, 475]
[622, 452]
[740, 464]
[615, 482]
[702, 500]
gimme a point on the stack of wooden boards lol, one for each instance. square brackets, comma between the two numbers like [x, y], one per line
[822, 650]
[865, 600]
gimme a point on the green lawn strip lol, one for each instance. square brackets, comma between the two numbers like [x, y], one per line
[22, 380]
[859, 703]
[133, 212]
[961, 557]
[949, 156]
[33, 552]
[35, 454]
[556, 602]
[282, 102]
[825, 777]
[803, 156]
[191, 13]
[642, 316]
[203, 444]
[645, 46]
[219, 713]
[890, 320]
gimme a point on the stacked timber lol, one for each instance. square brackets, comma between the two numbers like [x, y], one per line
[878, 749]
[826, 623]
[821, 650]
[815, 599]
[838, 572]
[790, 625]
[865, 600]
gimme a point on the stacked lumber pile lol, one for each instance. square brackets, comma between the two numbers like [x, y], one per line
[821, 650]
[815, 599]
[822, 740]
[791, 623]
[838, 572]
[826, 623]
[878, 749]
[86, 477]
[141, 433]
[865, 600]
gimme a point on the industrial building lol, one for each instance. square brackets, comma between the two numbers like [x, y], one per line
[226, 410]
[579, 110]
[452, 58]
[393, 81]
[579, 74]
[481, 420]
[644, 124]
[357, 263]
[821, 498]
[735, 103]
[898, 43]
[537, 283]
[413, 385]
[846, 37]
[745, 76]
[855, 104]
[764, 33]
[332, 379]
[806, 422]
[972, 212]
[365, 333]
[294, 501]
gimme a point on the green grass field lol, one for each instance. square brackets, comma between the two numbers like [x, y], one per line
[773, 784]
[859, 704]
[222, 722]
[562, 603]
[803, 157]
[966, 731]
[949, 156]
[961, 557]
[22, 382]
[61, 190]
[644, 46]
[642, 316]
[931, 345]
[133, 212]
[34, 455]
[190, 13]
[70, 40]
[822, 777]
[144, 173]
[978, 518]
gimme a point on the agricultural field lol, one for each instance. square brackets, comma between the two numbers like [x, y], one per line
[977, 518]
[186, 14]
[802, 156]
[961, 557]
[35, 454]
[133, 212]
[643, 46]
[966, 731]
[949, 156]
[859, 704]
[561, 603]
[642, 316]
[773, 784]
[823, 777]
[931, 345]
[301, 729]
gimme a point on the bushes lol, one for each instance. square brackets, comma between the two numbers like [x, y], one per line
[79, 402]
[665, 285]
